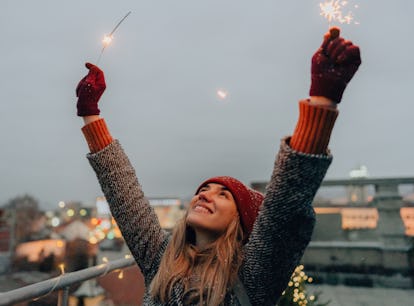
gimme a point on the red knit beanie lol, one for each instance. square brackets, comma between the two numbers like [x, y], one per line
[247, 200]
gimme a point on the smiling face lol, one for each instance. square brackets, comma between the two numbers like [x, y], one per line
[211, 211]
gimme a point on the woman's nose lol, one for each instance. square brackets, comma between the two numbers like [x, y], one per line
[205, 195]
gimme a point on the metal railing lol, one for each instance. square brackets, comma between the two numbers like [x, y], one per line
[62, 283]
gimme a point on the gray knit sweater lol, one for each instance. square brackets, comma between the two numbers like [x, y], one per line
[280, 235]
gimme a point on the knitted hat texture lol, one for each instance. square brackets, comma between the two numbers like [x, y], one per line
[247, 200]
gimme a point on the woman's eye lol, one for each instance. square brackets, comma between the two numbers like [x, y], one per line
[223, 194]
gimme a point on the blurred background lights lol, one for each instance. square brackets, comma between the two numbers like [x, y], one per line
[110, 235]
[94, 221]
[49, 214]
[70, 212]
[93, 240]
[55, 221]
[106, 224]
[60, 244]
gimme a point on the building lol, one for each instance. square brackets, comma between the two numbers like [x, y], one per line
[368, 241]
[5, 241]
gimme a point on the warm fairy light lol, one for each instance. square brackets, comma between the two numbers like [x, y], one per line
[296, 292]
[62, 272]
[105, 259]
[62, 268]
[337, 11]
[121, 274]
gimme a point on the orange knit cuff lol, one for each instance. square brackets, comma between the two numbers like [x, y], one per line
[97, 135]
[313, 129]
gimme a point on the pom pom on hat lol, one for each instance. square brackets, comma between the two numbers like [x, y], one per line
[247, 200]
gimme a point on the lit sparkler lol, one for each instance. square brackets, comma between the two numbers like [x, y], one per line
[107, 40]
[336, 11]
[222, 94]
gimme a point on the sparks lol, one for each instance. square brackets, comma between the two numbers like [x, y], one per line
[330, 10]
[334, 11]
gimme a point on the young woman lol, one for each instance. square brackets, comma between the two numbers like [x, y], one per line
[234, 246]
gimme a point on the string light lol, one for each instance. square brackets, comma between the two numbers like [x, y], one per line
[295, 293]
[62, 268]
[105, 262]
[121, 274]
[62, 272]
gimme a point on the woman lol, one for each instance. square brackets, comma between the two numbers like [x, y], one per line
[234, 246]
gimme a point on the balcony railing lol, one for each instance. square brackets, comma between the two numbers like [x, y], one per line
[62, 283]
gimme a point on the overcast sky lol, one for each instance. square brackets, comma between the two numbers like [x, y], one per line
[163, 69]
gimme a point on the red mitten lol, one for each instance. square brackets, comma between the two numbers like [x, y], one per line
[90, 90]
[333, 66]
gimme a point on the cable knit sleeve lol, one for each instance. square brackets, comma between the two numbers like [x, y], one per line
[286, 219]
[130, 208]
[284, 225]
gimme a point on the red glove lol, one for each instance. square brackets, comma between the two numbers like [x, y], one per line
[90, 90]
[333, 66]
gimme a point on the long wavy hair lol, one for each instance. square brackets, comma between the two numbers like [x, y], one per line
[205, 274]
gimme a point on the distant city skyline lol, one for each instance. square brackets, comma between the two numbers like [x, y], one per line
[194, 89]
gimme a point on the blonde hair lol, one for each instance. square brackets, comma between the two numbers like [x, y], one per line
[207, 273]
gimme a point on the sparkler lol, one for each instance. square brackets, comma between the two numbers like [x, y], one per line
[222, 94]
[334, 11]
[107, 40]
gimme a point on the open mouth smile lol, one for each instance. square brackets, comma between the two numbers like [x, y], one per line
[203, 209]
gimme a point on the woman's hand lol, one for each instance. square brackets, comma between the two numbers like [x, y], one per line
[89, 91]
[333, 66]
